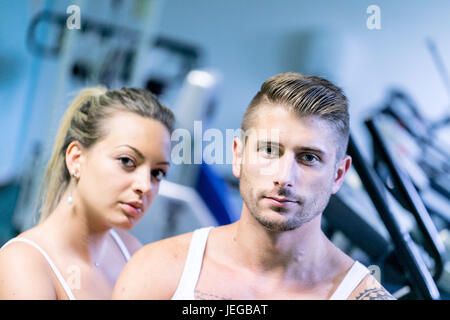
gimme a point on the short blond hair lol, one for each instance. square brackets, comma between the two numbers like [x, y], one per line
[305, 96]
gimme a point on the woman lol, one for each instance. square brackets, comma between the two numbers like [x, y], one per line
[111, 152]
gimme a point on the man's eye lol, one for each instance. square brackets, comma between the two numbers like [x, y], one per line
[309, 158]
[272, 151]
[126, 162]
[158, 174]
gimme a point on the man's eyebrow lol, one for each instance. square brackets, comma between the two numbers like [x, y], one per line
[273, 143]
[310, 149]
[297, 149]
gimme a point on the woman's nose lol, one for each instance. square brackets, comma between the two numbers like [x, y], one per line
[142, 184]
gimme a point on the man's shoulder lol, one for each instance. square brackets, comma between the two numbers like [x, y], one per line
[370, 289]
[154, 271]
[174, 246]
[166, 253]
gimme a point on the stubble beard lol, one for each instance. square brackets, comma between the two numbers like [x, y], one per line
[307, 210]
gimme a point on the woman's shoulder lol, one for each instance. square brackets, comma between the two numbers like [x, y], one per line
[24, 244]
[24, 271]
[27, 246]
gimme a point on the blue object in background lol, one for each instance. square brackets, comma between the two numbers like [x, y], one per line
[215, 192]
[9, 194]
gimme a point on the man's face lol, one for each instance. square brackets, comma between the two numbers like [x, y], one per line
[287, 168]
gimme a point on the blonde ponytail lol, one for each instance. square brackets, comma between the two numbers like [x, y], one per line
[56, 178]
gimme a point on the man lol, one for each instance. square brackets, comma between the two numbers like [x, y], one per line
[290, 160]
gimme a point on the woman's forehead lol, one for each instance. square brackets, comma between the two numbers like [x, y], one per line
[146, 135]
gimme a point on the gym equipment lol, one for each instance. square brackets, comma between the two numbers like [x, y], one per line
[118, 62]
[408, 254]
[409, 186]
[118, 56]
[411, 200]
[411, 138]
[388, 244]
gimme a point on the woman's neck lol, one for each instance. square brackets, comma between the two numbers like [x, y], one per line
[77, 231]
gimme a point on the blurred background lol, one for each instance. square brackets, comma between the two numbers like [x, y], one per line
[206, 60]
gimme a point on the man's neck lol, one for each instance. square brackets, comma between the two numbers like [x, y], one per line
[299, 253]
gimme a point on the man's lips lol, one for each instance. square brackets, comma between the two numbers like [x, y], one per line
[279, 201]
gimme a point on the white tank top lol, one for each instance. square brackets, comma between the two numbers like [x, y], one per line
[58, 274]
[193, 265]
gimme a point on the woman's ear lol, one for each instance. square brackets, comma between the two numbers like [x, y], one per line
[237, 156]
[74, 157]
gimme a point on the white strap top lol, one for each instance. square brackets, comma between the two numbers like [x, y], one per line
[58, 274]
[120, 243]
[351, 280]
[193, 265]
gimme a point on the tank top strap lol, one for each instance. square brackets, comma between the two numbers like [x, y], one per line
[193, 265]
[50, 262]
[121, 244]
[351, 280]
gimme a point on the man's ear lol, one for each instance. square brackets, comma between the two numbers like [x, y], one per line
[238, 151]
[341, 169]
[74, 158]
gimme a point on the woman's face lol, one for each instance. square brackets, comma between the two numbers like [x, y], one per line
[119, 175]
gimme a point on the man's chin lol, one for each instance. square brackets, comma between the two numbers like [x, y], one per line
[278, 224]
[281, 221]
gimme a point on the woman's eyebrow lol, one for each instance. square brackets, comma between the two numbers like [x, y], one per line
[164, 163]
[139, 154]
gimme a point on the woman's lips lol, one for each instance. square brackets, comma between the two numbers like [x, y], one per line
[130, 209]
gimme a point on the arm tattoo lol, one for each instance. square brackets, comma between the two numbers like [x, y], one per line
[199, 295]
[375, 294]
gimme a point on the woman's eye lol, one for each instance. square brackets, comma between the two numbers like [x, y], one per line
[127, 162]
[158, 174]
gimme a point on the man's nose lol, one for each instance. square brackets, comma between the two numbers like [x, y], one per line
[287, 172]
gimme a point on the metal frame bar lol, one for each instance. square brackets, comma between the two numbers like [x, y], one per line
[417, 272]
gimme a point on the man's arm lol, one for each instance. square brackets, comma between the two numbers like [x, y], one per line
[370, 289]
[154, 271]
